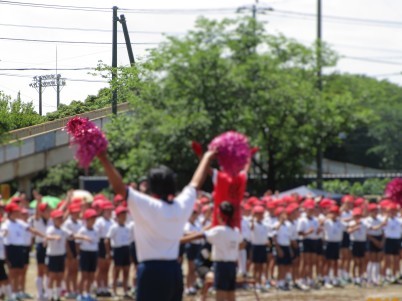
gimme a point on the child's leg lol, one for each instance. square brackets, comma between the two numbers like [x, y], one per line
[116, 272]
[220, 296]
[82, 282]
[90, 277]
[49, 288]
[58, 281]
[126, 270]
[190, 274]
[231, 295]
[105, 274]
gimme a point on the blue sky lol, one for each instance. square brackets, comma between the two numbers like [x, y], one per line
[366, 33]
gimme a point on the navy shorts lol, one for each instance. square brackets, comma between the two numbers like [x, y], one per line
[296, 251]
[40, 253]
[72, 246]
[121, 256]
[359, 249]
[160, 280]
[259, 254]
[3, 274]
[26, 251]
[15, 256]
[332, 250]
[392, 246]
[56, 264]
[345, 240]
[102, 248]
[182, 250]
[133, 253]
[192, 251]
[309, 245]
[225, 275]
[319, 247]
[88, 261]
[286, 259]
[248, 249]
[372, 247]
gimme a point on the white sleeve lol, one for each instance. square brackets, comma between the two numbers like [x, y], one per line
[301, 226]
[214, 176]
[186, 199]
[111, 232]
[212, 235]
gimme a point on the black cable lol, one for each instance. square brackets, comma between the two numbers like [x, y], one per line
[46, 69]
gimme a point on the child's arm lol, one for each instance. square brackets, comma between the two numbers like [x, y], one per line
[202, 170]
[113, 175]
[82, 237]
[278, 248]
[108, 247]
[36, 232]
[191, 237]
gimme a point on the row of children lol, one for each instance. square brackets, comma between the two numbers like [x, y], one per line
[77, 236]
[314, 243]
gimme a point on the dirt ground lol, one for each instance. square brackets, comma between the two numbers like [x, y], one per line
[349, 293]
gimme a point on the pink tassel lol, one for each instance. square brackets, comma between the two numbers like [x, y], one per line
[233, 151]
[393, 190]
[88, 139]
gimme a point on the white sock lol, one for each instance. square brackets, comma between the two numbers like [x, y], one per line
[7, 291]
[369, 271]
[39, 286]
[49, 292]
[58, 292]
[376, 271]
[243, 262]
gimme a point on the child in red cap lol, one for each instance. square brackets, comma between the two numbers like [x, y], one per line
[88, 258]
[118, 241]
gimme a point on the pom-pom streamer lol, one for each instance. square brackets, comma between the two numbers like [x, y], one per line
[393, 190]
[88, 139]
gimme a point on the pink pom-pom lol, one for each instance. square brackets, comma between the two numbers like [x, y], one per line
[88, 139]
[233, 151]
[393, 190]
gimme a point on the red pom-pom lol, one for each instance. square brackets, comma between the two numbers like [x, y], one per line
[197, 148]
[393, 190]
[88, 139]
[233, 151]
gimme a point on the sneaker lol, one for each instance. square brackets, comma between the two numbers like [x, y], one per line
[26, 296]
[327, 285]
[284, 288]
[80, 298]
[127, 297]
[107, 294]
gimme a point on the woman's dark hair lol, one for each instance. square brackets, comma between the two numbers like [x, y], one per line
[227, 211]
[162, 182]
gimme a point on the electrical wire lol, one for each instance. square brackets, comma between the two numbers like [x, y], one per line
[73, 42]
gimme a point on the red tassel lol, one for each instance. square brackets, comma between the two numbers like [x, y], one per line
[197, 148]
[254, 150]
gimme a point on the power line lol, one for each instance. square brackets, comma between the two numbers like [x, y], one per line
[85, 29]
[73, 42]
[370, 60]
[46, 69]
[69, 79]
[52, 6]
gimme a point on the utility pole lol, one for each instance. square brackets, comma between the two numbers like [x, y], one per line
[43, 81]
[319, 158]
[58, 90]
[40, 95]
[114, 60]
[255, 9]
[127, 39]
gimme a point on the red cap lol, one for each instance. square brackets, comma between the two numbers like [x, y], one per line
[74, 208]
[56, 213]
[106, 205]
[334, 209]
[258, 209]
[42, 207]
[12, 207]
[118, 198]
[89, 213]
[279, 203]
[77, 200]
[358, 202]
[121, 209]
[246, 206]
[392, 206]
[357, 211]
[372, 207]
[347, 199]
[16, 199]
[253, 200]
[270, 205]
[309, 204]
[279, 210]
[100, 196]
[97, 203]
[291, 208]
[326, 203]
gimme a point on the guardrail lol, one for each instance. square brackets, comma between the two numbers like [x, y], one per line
[60, 123]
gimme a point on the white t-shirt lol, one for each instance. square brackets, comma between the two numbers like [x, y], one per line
[270, 221]
[130, 224]
[102, 225]
[284, 233]
[373, 222]
[259, 235]
[159, 225]
[393, 228]
[40, 225]
[225, 243]
[245, 228]
[27, 238]
[94, 237]
[333, 230]
[120, 236]
[191, 228]
[14, 232]
[305, 224]
[360, 234]
[345, 218]
[2, 248]
[57, 247]
[72, 226]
